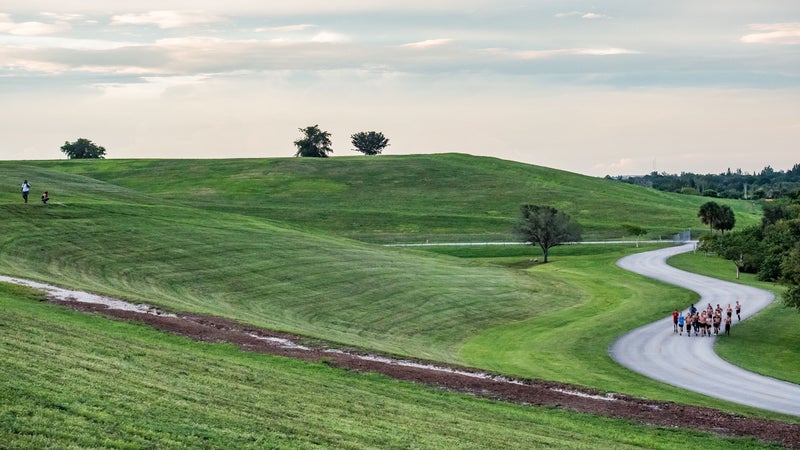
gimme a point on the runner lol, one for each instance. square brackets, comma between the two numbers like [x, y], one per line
[681, 321]
[689, 323]
[674, 320]
[717, 323]
[702, 321]
[729, 311]
[709, 324]
[738, 310]
[728, 325]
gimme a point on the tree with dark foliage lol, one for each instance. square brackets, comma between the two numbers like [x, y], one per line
[315, 143]
[717, 217]
[546, 227]
[369, 142]
[83, 149]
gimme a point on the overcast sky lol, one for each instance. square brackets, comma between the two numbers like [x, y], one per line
[603, 87]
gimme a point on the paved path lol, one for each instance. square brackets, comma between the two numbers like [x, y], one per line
[655, 351]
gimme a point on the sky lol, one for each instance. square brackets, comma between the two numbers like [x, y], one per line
[600, 88]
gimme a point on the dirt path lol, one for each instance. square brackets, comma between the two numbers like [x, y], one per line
[459, 379]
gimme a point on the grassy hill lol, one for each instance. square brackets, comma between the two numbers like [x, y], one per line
[401, 198]
[268, 242]
[290, 244]
[69, 380]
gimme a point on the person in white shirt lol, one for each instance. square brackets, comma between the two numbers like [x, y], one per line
[26, 188]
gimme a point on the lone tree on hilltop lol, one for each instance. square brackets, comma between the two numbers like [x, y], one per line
[369, 142]
[546, 227]
[315, 143]
[83, 149]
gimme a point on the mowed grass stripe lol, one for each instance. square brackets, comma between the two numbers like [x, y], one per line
[404, 198]
[75, 381]
[238, 267]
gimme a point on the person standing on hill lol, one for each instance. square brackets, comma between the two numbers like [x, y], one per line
[26, 188]
[45, 197]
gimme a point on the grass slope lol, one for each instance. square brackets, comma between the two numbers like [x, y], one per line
[192, 235]
[69, 380]
[402, 198]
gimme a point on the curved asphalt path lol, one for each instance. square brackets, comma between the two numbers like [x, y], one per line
[690, 362]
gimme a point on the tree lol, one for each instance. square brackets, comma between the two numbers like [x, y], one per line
[314, 143]
[546, 227]
[791, 277]
[717, 217]
[369, 142]
[726, 219]
[709, 214]
[83, 149]
[634, 230]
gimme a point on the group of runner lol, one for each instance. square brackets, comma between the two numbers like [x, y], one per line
[705, 322]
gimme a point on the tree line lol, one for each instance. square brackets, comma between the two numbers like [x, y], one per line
[768, 183]
[314, 143]
[771, 249]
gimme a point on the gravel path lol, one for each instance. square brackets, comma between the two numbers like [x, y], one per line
[690, 362]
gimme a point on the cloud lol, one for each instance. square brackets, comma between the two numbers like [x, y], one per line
[328, 37]
[63, 17]
[622, 166]
[7, 25]
[149, 87]
[774, 33]
[263, 8]
[167, 19]
[582, 15]
[287, 28]
[428, 43]
[594, 16]
[539, 54]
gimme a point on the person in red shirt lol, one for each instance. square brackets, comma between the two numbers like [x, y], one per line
[675, 321]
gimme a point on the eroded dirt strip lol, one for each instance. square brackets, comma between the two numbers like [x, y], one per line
[459, 379]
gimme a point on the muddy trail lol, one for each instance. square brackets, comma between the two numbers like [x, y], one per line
[458, 379]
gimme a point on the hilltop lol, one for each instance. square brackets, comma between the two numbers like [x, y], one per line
[400, 198]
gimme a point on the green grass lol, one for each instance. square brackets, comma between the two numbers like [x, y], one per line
[70, 380]
[265, 242]
[767, 343]
[446, 197]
